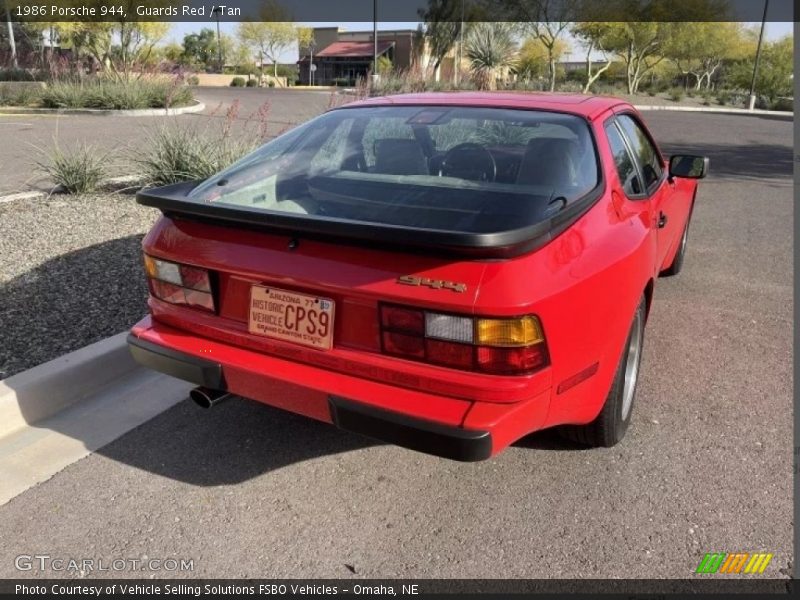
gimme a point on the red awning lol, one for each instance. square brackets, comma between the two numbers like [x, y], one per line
[353, 49]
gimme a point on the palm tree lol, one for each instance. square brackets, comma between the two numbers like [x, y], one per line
[490, 47]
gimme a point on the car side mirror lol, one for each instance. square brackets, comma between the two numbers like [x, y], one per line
[688, 166]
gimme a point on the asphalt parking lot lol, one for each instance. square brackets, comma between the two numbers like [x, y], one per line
[249, 491]
[117, 136]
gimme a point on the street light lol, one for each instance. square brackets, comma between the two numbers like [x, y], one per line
[374, 42]
[311, 67]
[217, 10]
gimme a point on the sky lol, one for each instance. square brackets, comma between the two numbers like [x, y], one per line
[772, 31]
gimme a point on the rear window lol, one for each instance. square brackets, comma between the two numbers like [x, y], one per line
[462, 169]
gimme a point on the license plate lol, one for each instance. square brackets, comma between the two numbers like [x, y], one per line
[293, 317]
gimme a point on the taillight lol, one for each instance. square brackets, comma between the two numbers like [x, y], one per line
[500, 346]
[179, 284]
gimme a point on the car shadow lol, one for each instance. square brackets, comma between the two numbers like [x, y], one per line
[90, 294]
[69, 302]
[741, 162]
[233, 442]
[548, 439]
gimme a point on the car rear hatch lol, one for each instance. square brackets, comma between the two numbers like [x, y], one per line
[356, 279]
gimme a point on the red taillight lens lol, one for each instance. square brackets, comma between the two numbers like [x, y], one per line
[496, 345]
[401, 344]
[512, 360]
[449, 354]
[403, 319]
[167, 292]
[179, 284]
[199, 299]
[196, 279]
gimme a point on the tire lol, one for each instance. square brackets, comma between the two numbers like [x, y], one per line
[677, 262]
[610, 426]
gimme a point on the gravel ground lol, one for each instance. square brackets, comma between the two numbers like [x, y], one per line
[70, 274]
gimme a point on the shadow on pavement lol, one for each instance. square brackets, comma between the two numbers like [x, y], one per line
[757, 161]
[69, 302]
[235, 441]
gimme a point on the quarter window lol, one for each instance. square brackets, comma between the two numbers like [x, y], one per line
[624, 162]
[643, 149]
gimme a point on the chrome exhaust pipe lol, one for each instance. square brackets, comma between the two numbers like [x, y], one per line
[207, 398]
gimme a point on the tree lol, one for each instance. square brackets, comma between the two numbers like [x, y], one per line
[638, 45]
[699, 49]
[592, 36]
[490, 47]
[546, 20]
[116, 45]
[268, 39]
[775, 71]
[441, 29]
[534, 58]
[200, 48]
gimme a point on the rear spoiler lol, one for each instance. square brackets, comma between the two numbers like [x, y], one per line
[173, 201]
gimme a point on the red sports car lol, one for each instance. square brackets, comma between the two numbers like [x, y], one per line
[445, 272]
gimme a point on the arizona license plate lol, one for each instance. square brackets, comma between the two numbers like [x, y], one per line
[293, 317]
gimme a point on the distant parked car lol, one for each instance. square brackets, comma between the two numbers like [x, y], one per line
[446, 272]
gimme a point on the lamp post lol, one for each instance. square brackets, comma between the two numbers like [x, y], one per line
[752, 104]
[374, 42]
[220, 65]
[311, 63]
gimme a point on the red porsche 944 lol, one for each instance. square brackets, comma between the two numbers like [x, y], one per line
[445, 272]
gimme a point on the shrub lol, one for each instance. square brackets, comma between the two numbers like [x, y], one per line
[676, 94]
[117, 95]
[271, 83]
[651, 92]
[193, 80]
[20, 95]
[783, 104]
[78, 171]
[238, 82]
[184, 153]
[20, 75]
[252, 83]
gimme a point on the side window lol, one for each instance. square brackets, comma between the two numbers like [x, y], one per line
[624, 162]
[642, 147]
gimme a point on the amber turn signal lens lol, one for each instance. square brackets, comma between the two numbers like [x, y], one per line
[150, 267]
[521, 331]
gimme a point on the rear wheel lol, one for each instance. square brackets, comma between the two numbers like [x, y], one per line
[611, 424]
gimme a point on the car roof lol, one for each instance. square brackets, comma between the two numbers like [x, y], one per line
[577, 104]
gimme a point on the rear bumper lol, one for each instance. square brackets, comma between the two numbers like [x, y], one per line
[449, 427]
[416, 434]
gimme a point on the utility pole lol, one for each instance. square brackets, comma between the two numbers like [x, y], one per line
[11, 43]
[311, 63]
[374, 42]
[218, 10]
[758, 57]
[459, 58]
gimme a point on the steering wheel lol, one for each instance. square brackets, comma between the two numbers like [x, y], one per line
[469, 161]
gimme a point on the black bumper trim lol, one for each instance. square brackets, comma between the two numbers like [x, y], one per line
[176, 364]
[424, 436]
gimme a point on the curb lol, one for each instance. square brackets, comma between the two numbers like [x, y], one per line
[22, 196]
[60, 412]
[102, 112]
[112, 184]
[43, 391]
[756, 112]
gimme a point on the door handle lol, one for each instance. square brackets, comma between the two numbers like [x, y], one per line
[662, 220]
